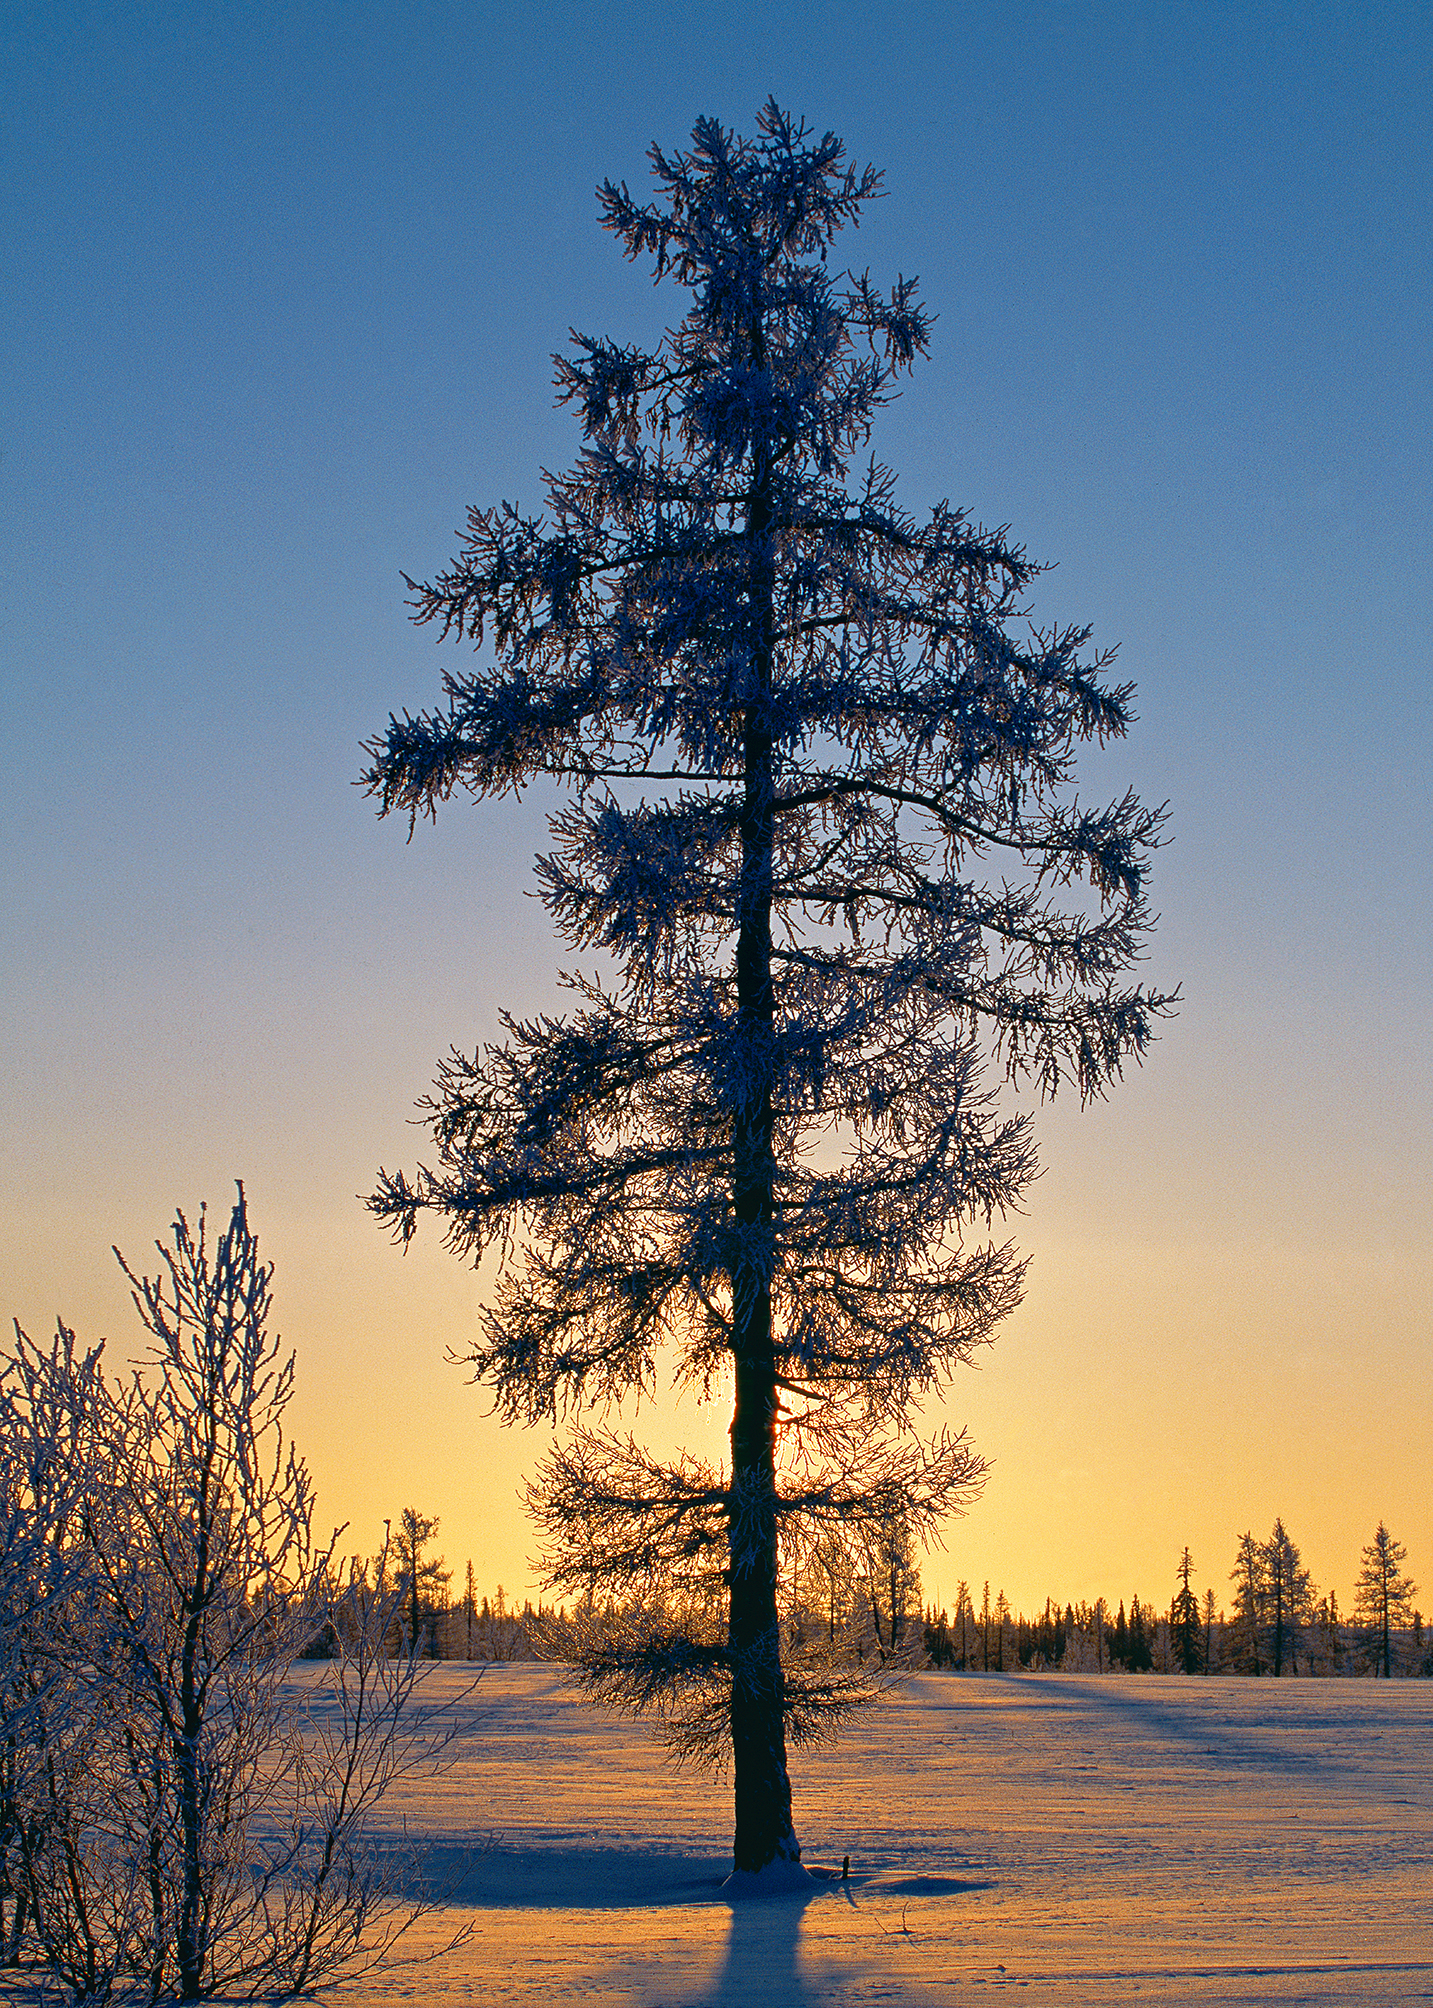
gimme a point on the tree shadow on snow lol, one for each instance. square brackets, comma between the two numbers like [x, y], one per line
[1142, 1702]
[762, 1961]
[576, 1875]
[762, 1968]
[562, 1875]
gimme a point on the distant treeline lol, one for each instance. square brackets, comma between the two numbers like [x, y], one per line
[1275, 1624]
[1272, 1621]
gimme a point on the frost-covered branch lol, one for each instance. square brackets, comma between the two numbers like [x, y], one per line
[176, 1813]
[772, 1140]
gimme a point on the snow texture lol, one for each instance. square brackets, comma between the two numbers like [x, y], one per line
[1081, 1839]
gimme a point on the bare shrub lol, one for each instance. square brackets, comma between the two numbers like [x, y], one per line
[178, 1814]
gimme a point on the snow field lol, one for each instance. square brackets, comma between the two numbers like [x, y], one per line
[1080, 1840]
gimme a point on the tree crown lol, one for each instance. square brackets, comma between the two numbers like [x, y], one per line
[704, 581]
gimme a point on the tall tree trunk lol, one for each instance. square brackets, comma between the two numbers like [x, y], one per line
[763, 1790]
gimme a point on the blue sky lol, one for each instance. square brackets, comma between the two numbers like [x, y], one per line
[283, 286]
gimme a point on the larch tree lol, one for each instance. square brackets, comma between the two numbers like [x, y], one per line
[1002, 1619]
[1288, 1596]
[1331, 1630]
[470, 1609]
[422, 1579]
[830, 1576]
[1138, 1655]
[1384, 1596]
[794, 722]
[1210, 1615]
[965, 1618]
[892, 1579]
[1185, 1628]
[1249, 1576]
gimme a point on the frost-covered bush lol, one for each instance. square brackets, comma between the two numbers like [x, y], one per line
[176, 1815]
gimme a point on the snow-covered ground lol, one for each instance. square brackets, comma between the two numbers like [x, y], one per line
[1082, 1840]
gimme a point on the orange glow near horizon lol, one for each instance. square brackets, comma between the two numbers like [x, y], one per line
[1124, 1416]
[279, 315]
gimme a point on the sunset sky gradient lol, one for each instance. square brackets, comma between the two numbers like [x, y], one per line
[283, 283]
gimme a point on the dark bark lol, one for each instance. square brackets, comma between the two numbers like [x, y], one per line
[763, 1789]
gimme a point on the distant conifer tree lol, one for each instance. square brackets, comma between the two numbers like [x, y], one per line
[965, 1621]
[1288, 1597]
[424, 1582]
[1250, 1597]
[1209, 1616]
[1138, 1656]
[1185, 1630]
[939, 1648]
[1384, 1597]
[1002, 1619]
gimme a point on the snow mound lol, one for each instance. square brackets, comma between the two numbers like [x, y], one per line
[778, 1878]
